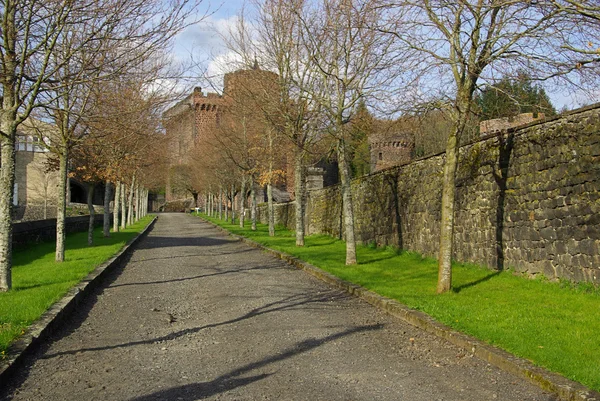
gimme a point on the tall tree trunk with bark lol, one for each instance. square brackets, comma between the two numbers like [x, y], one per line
[449, 191]
[90, 204]
[7, 184]
[300, 201]
[232, 204]
[130, 202]
[106, 221]
[226, 207]
[117, 206]
[253, 206]
[348, 212]
[220, 202]
[145, 202]
[213, 208]
[123, 205]
[136, 203]
[447, 222]
[271, 210]
[243, 202]
[61, 204]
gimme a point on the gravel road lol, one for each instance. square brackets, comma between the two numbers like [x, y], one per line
[194, 314]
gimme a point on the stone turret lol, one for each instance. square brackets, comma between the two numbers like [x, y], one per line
[391, 148]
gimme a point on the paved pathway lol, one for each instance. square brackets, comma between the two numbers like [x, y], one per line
[196, 315]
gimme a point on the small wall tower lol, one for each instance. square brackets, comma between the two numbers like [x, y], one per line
[390, 148]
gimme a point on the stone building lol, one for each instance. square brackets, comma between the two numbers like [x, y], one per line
[194, 122]
[391, 143]
[35, 185]
[36, 182]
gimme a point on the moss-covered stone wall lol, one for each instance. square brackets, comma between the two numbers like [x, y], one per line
[527, 199]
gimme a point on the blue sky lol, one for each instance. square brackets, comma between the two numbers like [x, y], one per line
[203, 44]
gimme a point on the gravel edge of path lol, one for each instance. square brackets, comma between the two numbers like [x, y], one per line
[564, 388]
[63, 308]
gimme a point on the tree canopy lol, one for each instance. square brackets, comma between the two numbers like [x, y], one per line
[510, 97]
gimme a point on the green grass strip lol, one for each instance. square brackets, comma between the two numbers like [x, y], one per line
[38, 281]
[555, 325]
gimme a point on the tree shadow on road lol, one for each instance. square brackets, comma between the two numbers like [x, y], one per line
[153, 242]
[232, 380]
[288, 303]
[195, 255]
[182, 279]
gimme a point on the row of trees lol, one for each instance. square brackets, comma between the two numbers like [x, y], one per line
[332, 56]
[91, 69]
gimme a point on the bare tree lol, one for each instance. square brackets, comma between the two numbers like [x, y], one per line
[448, 47]
[100, 50]
[279, 28]
[30, 30]
[349, 58]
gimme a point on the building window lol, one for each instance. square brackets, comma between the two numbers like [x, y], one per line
[380, 155]
[30, 143]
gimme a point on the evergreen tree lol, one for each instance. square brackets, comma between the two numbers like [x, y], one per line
[362, 128]
[511, 97]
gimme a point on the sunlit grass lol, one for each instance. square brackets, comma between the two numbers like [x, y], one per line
[554, 324]
[38, 281]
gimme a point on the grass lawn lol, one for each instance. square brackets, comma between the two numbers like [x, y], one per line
[553, 324]
[38, 281]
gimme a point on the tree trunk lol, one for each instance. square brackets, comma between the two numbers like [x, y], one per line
[463, 107]
[117, 207]
[271, 210]
[136, 208]
[123, 205]
[347, 205]
[130, 202]
[7, 184]
[90, 204]
[145, 202]
[226, 207]
[106, 221]
[220, 202]
[232, 204]
[447, 222]
[243, 202]
[211, 206]
[61, 204]
[253, 207]
[300, 201]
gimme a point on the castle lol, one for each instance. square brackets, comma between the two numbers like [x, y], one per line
[193, 123]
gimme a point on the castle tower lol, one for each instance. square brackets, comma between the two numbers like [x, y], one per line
[390, 148]
[188, 125]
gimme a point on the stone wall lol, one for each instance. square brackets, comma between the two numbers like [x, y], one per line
[31, 232]
[499, 124]
[527, 199]
[41, 212]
